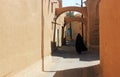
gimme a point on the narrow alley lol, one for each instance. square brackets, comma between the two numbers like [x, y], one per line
[59, 38]
[66, 62]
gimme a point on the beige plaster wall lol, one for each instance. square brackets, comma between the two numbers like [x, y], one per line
[76, 28]
[60, 23]
[20, 32]
[48, 14]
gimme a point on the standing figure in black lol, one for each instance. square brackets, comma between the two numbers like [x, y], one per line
[79, 45]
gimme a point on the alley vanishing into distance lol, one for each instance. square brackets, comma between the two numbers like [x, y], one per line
[66, 62]
[59, 38]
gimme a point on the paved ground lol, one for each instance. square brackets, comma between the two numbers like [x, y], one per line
[67, 63]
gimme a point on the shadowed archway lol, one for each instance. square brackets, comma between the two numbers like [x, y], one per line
[68, 20]
[79, 19]
[59, 11]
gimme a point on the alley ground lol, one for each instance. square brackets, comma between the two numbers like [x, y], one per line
[66, 62]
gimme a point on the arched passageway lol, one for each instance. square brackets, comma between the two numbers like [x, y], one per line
[60, 11]
[64, 51]
[79, 21]
[74, 24]
[72, 19]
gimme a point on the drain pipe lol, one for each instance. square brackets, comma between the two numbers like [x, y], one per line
[82, 22]
[42, 37]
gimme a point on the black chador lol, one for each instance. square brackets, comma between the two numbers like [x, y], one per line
[79, 45]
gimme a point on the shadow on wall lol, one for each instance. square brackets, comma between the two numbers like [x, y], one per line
[7, 74]
[53, 47]
[93, 71]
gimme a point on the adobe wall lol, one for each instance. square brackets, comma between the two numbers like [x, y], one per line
[20, 32]
[60, 22]
[77, 28]
[93, 24]
[110, 37]
[48, 15]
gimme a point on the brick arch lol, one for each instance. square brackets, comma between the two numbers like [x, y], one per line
[59, 11]
[79, 19]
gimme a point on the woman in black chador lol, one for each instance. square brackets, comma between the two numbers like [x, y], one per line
[79, 45]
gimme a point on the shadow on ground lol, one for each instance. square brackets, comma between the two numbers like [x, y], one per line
[93, 71]
[72, 59]
[70, 52]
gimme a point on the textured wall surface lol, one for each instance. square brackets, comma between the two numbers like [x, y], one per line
[110, 37]
[20, 33]
[93, 24]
